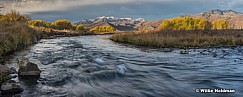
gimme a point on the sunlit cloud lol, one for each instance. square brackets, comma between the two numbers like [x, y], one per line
[149, 9]
[27, 6]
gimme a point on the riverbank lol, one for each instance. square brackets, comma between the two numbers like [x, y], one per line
[4, 74]
[98, 60]
[15, 34]
[49, 33]
[182, 38]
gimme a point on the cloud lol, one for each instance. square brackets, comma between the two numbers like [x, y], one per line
[76, 10]
[27, 6]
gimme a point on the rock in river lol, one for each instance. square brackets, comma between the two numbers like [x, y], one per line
[5, 70]
[11, 87]
[4, 73]
[121, 69]
[27, 69]
[184, 52]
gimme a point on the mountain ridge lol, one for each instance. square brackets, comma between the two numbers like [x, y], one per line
[120, 24]
[128, 24]
[111, 19]
[234, 18]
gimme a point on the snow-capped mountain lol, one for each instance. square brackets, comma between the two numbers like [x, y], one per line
[112, 20]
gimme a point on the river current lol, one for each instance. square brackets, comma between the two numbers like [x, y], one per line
[94, 66]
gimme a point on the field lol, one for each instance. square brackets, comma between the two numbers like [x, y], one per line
[182, 38]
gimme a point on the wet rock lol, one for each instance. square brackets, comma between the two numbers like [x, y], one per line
[167, 50]
[4, 74]
[99, 61]
[13, 70]
[184, 52]
[222, 56]
[10, 95]
[13, 75]
[27, 68]
[121, 69]
[11, 87]
[214, 54]
[5, 70]
[3, 78]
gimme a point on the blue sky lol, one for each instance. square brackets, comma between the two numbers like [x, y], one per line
[76, 10]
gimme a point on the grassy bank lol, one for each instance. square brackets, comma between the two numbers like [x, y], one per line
[182, 38]
[60, 27]
[15, 33]
[52, 33]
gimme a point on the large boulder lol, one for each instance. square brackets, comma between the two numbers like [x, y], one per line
[4, 73]
[27, 69]
[30, 69]
[4, 70]
[11, 87]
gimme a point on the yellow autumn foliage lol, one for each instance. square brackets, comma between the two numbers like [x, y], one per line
[185, 23]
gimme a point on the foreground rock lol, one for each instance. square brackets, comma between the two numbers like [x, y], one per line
[4, 69]
[28, 69]
[4, 74]
[11, 87]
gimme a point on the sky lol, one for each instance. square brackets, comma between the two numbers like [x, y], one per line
[76, 10]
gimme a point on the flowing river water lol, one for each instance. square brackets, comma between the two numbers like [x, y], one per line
[94, 66]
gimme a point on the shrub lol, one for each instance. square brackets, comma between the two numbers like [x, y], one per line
[220, 24]
[185, 23]
[37, 23]
[13, 16]
[63, 24]
[103, 29]
[15, 33]
[80, 27]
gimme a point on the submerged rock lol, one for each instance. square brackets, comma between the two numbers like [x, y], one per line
[167, 50]
[121, 69]
[99, 61]
[11, 87]
[184, 52]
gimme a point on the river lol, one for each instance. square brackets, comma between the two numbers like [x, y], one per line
[94, 66]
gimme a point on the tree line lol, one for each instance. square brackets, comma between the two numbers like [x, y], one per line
[15, 33]
[64, 24]
[190, 23]
[104, 29]
[61, 24]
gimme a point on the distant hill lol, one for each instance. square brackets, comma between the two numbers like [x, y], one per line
[112, 19]
[149, 25]
[99, 24]
[128, 24]
[235, 18]
[120, 24]
[219, 13]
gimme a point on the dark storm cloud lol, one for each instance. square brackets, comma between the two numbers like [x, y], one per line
[76, 10]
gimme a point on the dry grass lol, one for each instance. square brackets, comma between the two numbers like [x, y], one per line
[15, 36]
[49, 32]
[15, 33]
[182, 38]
